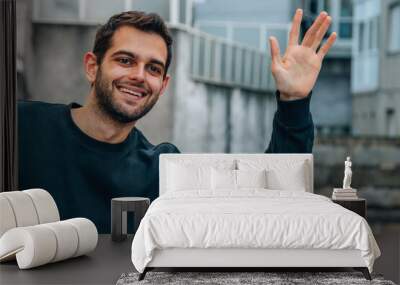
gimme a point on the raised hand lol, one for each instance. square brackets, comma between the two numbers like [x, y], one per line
[296, 72]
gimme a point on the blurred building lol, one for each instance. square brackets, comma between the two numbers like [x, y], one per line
[376, 64]
[252, 22]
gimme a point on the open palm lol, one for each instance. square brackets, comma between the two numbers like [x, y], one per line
[296, 72]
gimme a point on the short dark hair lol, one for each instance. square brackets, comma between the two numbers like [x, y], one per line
[146, 22]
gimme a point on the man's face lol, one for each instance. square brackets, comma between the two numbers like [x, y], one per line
[131, 78]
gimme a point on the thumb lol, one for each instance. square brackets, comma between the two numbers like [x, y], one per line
[275, 51]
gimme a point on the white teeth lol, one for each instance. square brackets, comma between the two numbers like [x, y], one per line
[131, 92]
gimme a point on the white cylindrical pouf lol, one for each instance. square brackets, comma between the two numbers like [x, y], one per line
[67, 239]
[87, 234]
[23, 208]
[7, 218]
[45, 205]
[40, 244]
[34, 245]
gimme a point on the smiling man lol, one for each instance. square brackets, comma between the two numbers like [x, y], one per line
[128, 76]
[86, 155]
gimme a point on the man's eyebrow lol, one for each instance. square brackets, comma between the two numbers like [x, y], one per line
[130, 54]
[123, 52]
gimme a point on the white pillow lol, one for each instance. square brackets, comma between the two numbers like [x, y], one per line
[281, 174]
[279, 180]
[185, 174]
[225, 179]
[184, 177]
[251, 178]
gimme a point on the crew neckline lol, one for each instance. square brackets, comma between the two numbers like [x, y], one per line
[92, 142]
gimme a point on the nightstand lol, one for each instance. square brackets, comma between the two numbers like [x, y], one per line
[358, 206]
[119, 209]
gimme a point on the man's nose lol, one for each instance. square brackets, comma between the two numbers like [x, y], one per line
[137, 72]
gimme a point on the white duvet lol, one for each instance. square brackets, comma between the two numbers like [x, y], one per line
[250, 219]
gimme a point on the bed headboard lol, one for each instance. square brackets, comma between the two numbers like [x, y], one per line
[165, 159]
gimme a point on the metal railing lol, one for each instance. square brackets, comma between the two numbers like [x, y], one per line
[253, 34]
[223, 62]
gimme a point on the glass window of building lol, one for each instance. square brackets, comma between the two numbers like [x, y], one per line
[361, 37]
[394, 30]
[373, 38]
[346, 8]
[346, 14]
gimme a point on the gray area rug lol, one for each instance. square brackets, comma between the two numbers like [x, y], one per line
[229, 278]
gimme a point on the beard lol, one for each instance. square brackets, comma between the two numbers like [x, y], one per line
[108, 104]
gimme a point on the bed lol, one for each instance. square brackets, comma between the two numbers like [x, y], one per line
[245, 211]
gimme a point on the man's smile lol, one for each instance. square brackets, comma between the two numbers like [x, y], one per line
[132, 90]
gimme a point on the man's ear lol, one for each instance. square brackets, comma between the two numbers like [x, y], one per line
[165, 84]
[90, 63]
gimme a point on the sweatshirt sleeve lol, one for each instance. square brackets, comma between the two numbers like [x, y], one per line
[293, 127]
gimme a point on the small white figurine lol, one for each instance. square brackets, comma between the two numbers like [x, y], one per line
[347, 174]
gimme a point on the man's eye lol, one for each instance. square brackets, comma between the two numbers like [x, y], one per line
[155, 69]
[125, 60]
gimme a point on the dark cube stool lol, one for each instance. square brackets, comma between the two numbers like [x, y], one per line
[119, 209]
[358, 206]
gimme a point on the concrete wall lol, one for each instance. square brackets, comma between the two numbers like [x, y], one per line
[365, 114]
[213, 118]
[371, 115]
[57, 74]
